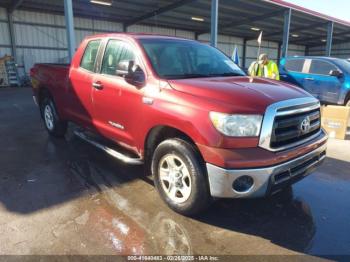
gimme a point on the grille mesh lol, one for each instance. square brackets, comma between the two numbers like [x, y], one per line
[287, 129]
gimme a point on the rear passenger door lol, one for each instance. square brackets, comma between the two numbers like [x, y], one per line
[325, 86]
[80, 89]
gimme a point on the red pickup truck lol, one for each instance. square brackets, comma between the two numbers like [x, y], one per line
[201, 126]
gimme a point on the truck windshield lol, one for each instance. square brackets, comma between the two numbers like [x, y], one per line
[180, 59]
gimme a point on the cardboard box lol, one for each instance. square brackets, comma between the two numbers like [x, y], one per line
[335, 120]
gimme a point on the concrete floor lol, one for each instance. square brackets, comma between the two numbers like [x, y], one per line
[66, 197]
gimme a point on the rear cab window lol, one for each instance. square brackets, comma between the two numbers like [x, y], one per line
[295, 65]
[89, 58]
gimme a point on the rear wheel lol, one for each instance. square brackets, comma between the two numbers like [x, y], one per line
[180, 177]
[54, 125]
[348, 103]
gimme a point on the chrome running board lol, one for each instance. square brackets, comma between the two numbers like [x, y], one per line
[120, 156]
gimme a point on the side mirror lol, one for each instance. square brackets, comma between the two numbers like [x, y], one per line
[136, 77]
[123, 68]
[335, 73]
[132, 73]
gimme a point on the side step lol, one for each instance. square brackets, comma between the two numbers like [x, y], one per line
[114, 153]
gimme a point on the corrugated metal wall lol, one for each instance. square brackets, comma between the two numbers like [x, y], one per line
[226, 43]
[5, 42]
[41, 38]
[338, 50]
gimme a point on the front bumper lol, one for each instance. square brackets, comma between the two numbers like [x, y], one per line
[266, 180]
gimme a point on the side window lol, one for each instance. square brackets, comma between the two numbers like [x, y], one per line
[89, 57]
[321, 67]
[116, 51]
[295, 65]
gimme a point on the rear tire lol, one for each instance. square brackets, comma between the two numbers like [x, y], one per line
[53, 124]
[347, 103]
[180, 177]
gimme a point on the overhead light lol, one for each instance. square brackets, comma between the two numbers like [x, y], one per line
[199, 19]
[295, 35]
[102, 2]
[255, 29]
[323, 40]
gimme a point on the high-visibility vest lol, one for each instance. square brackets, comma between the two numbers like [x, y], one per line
[270, 70]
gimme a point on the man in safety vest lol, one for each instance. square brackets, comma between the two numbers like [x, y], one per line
[264, 68]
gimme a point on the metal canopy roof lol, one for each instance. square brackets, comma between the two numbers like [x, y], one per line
[236, 17]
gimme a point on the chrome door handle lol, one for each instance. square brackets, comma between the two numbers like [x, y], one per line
[309, 78]
[97, 85]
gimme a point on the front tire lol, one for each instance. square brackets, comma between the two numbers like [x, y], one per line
[180, 177]
[53, 124]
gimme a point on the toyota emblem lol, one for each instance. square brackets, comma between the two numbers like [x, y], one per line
[305, 126]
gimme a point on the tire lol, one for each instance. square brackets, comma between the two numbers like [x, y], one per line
[53, 124]
[180, 177]
[347, 103]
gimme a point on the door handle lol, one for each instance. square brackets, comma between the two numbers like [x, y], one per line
[309, 78]
[97, 85]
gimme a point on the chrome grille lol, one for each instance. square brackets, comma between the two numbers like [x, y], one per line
[281, 127]
[289, 128]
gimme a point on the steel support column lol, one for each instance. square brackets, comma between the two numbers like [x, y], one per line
[68, 15]
[329, 38]
[286, 27]
[12, 35]
[279, 52]
[214, 22]
[307, 50]
[244, 56]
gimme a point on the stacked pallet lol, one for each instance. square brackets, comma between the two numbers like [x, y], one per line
[3, 73]
[8, 72]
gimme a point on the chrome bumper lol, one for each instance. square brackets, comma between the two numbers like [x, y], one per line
[266, 180]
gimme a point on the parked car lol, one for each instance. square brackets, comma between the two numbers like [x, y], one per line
[326, 78]
[186, 111]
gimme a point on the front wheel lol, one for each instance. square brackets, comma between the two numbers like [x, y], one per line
[180, 177]
[54, 125]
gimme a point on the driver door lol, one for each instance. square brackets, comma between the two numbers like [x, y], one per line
[117, 104]
[327, 86]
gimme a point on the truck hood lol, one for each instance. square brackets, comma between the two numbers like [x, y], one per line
[239, 91]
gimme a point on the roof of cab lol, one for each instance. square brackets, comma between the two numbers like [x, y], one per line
[313, 57]
[136, 36]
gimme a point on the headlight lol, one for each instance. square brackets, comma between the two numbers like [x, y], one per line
[236, 125]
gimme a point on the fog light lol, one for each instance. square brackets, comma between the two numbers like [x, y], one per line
[243, 184]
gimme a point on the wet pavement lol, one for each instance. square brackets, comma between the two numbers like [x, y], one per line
[66, 197]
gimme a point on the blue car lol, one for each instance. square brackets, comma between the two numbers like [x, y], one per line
[326, 78]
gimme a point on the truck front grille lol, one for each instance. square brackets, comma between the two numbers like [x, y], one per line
[290, 123]
[289, 129]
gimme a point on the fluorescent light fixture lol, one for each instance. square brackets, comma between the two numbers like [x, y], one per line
[295, 35]
[102, 2]
[255, 29]
[323, 40]
[199, 19]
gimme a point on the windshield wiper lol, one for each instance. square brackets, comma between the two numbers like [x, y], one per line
[227, 74]
[184, 76]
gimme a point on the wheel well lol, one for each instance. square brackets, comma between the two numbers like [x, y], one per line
[43, 92]
[347, 98]
[159, 134]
